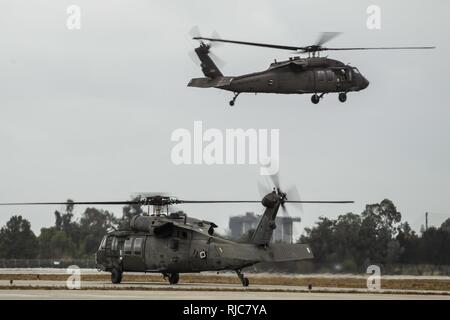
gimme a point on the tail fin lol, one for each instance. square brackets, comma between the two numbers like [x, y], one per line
[264, 230]
[209, 68]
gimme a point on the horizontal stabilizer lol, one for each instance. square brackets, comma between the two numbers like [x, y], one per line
[280, 252]
[202, 83]
[210, 83]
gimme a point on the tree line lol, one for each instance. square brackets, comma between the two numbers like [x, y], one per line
[67, 238]
[376, 236]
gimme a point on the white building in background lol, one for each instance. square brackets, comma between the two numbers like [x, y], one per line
[241, 225]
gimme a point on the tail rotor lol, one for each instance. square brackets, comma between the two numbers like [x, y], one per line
[291, 194]
[195, 33]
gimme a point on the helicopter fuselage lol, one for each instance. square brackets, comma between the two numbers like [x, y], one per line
[174, 243]
[300, 75]
[315, 75]
[167, 248]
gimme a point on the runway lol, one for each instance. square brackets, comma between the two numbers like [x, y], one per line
[101, 290]
[51, 284]
[200, 295]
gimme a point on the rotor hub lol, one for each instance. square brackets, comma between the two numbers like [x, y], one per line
[158, 201]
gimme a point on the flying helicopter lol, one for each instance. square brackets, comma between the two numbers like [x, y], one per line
[312, 74]
[171, 243]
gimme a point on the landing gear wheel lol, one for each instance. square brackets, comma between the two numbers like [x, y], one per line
[315, 99]
[174, 278]
[116, 275]
[342, 97]
[236, 94]
[243, 279]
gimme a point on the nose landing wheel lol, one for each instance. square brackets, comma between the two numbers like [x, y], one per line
[342, 97]
[116, 275]
[173, 277]
[315, 99]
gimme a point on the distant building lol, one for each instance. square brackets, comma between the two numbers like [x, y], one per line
[240, 225]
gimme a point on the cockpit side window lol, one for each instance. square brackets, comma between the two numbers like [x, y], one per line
[137, 246]
[321, 75]
[128, 246]
[349, 75]
[330, 75]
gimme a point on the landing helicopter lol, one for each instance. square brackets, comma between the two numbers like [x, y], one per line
[297, 75]
[172, 243]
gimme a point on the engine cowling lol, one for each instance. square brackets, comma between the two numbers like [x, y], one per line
[140, 223]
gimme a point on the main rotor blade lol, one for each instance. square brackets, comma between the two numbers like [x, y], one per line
[219, 201]
[376, 48]
[250, 201]
[314, 201]
[266, 45]
[69, 203]
[138, 202]
[325, 37]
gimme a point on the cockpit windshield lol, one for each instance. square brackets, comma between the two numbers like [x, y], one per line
[356, 71]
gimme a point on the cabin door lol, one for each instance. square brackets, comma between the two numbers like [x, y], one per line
[133, 254]
[178, 249]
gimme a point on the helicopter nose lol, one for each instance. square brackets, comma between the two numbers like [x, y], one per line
[364, 83]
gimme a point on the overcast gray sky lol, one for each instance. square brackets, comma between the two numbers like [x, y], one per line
[87, 114]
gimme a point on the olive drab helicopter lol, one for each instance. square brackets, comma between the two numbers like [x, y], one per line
[312, 74]
[171, 243]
